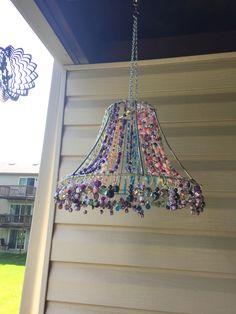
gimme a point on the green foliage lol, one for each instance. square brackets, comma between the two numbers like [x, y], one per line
[11, 274]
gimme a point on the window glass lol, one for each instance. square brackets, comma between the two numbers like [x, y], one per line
[23, 181]
[27, 181]
[15, 209]
[23, 210]
[28, 210]
[20, 241]
[12, 239]
[20, 209]
[17, 239]
[30, 181]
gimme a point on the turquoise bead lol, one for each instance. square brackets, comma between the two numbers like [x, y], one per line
[148, 206]
[118, 207]
[103, 190]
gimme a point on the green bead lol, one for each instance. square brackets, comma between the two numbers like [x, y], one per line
[91, 202]
[96, 203]
[148, 192]
[103, 190]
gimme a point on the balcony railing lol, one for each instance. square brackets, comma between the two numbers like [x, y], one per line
[17, 191]
[15, 220]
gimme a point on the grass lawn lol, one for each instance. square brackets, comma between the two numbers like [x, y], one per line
[12, 267]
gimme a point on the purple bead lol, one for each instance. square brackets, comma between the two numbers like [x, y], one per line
[197, 189]
[97, 183]
[83, 187]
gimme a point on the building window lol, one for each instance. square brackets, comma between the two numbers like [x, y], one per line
[27, 181]
[17, 239]
[18, 211]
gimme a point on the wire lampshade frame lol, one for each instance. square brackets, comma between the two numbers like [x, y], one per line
[127, 168]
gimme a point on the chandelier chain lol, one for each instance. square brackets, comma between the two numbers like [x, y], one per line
[133, 78]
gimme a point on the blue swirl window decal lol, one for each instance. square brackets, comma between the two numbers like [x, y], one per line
[17, 73]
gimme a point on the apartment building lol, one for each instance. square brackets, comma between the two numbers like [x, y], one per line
[17, 193]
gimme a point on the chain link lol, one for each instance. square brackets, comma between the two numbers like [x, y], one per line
[133, 78]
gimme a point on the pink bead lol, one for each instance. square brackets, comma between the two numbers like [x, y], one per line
[95, 190]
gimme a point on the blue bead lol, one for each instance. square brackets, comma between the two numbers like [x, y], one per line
[117, 207]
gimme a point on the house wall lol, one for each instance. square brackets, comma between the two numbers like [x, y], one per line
[167, 262]
[4, 234]
[4, 206]
[9, 179]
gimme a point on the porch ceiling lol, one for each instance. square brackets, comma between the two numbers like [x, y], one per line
[100, 31]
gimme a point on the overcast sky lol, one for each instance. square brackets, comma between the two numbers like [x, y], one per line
[22, 122]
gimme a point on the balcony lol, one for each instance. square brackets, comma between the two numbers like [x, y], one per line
[19, 221]
[17, 192]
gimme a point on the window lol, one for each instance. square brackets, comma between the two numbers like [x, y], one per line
[27, 181]
[19, 210]
[17, 239]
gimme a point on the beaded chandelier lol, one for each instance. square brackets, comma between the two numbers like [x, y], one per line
[127, 168]
[17, 73]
